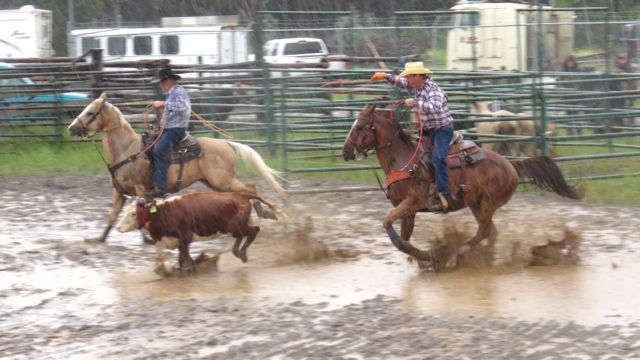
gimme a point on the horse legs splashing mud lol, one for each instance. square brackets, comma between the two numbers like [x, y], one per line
[216, 167]
[488, 184]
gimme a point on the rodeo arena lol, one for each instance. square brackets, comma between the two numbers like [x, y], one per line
[301, 222]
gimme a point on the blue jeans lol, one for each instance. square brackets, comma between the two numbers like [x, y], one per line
[441, 137]
[160, 154]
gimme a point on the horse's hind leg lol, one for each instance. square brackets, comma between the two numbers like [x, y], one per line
[221, 180]
[484, 217]
[227, 182]
[262, 212]
[483, 212]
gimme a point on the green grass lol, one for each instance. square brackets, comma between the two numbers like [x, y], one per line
[40, 159]
[43, 159]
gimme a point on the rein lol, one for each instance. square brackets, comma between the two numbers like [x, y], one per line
[402, 174]
[112, 168]
[132, 158]
[418, 145]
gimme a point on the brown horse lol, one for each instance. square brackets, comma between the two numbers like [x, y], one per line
[216, 167]
[488, 184]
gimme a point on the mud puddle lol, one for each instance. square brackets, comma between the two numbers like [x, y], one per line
[333, 254]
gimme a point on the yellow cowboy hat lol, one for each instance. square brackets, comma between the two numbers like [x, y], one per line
[415, 68]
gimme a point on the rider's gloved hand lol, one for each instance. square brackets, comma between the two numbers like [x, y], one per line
[378, 76]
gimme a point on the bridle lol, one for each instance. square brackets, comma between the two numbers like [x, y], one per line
[371, 127]
[93, 118]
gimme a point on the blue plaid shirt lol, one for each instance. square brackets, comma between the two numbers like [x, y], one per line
[177, 108]
[430, 102]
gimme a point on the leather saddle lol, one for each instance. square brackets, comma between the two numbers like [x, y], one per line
[186, 150]
[461, 152]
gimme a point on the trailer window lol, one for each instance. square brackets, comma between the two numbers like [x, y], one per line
[142, 45]
[169, 45]
[302, 48]
[469, 19]
[89, 43]
[116, 45]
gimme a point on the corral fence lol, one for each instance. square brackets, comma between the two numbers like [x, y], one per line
[301, 117]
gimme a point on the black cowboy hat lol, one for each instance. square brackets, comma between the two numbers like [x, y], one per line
[167, 74]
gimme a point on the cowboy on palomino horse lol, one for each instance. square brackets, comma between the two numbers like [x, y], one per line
[431, 106]
[174, 124]
[210, 161]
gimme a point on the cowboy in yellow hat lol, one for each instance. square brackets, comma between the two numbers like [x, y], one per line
[431, 106]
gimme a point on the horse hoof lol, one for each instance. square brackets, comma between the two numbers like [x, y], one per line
[190, 269]
[452, 262]
[424, 264]
[148, 240]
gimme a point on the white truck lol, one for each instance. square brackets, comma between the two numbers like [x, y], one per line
[502, 36]
[25, 32]
[299, 50]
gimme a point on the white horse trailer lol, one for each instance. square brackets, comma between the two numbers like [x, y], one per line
[502, 36]
[184, 45]
[25, 32]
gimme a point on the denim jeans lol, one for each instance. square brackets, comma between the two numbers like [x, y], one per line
[160, 154]
[441, 137]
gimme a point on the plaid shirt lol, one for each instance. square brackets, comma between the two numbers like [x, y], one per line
[177, 108]
[431, 102]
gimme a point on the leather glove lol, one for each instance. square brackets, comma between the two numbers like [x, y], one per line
[378, 76]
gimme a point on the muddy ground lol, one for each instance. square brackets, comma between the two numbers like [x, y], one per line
[560, 282]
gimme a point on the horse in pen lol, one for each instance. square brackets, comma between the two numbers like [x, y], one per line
[483, 185]
[215, 164]
[521, 128]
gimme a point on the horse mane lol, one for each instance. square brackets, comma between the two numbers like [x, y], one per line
[394, 117]
[120, 117]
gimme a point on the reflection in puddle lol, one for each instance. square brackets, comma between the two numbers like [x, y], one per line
[584, 294]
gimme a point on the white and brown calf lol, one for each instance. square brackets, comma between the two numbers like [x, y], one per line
[177, 221]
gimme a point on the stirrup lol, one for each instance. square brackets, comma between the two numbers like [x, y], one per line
[431, 202]
[443, 201]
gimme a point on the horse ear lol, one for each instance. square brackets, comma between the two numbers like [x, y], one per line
[103, 96]
[369, 109]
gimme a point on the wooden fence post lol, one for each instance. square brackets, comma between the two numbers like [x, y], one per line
[96, 62]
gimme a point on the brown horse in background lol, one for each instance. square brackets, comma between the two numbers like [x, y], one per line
[216, 167]
[488, 184]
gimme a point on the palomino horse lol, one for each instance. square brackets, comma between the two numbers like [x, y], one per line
[216, 167]
[486, 185]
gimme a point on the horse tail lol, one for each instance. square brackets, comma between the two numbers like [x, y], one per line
[546, 174]
[272, 176]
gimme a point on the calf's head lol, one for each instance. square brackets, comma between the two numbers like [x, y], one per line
[135, 216]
